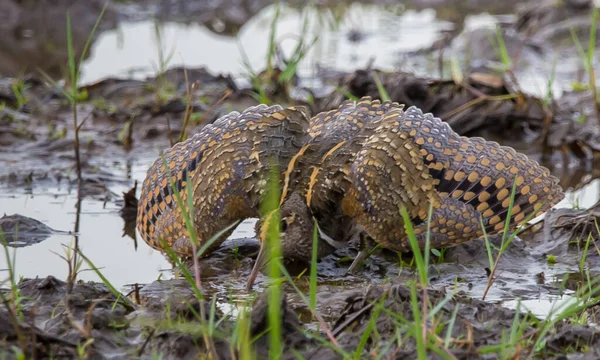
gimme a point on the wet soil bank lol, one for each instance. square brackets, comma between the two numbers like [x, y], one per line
[55, 322]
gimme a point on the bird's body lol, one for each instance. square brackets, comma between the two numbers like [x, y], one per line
[351, 169]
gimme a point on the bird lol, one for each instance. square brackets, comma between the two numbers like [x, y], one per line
[347, 172]
[404, 158]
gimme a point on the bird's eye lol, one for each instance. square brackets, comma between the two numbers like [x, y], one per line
[284, 224]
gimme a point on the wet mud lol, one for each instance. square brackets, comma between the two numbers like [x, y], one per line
[127, 120]
[164, 321]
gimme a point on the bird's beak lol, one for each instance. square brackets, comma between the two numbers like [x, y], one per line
[258, 265]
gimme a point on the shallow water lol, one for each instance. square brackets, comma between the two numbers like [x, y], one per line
[101, 239]
[133, 50]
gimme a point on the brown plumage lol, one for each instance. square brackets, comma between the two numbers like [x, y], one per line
[328, 131]
[414, 159]
[407, 158]
[228, 165]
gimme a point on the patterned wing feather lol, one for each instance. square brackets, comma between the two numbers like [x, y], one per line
[228, 163]
[481, 173]
[414, 159]
[340, 135]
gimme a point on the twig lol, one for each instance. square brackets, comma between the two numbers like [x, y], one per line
[136, 293]
[352, 319]
[475, 101]
[15, 322]
[84, 332]
[188, 107]
[207, 340]
[326, 329]
[441, 344]
[169, 131]
[141, 349]
[227, 93]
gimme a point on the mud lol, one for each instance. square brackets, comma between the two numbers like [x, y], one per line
[57, 319]
[127, 120]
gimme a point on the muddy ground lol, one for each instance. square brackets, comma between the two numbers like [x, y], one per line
[127, 120]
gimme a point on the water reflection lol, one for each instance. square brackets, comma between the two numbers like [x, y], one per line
[349, 36]
[101, 240]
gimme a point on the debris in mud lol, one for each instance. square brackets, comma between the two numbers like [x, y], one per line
[573, 228]
[546, 19]
[129, 212]
[160, 95]
[81, 317]
[20, 231]
[576, 222]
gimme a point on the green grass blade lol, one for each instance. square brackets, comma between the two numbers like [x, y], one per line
[488, 244]
[509, 217]
[186, 274]
[418, 331]
[88, 41]
[347, 93]
[514, 329]
[270, 206]
[367, 332]
[592, 40]
[504, 56]
[9, 261]
[580, 50]
[125, 301]
[292, 67]
[56, 85]
[214, 238]
[549, 97]
[428, 236]
[272, 34]
[451, 326]
[585, 253]
[313, 269]
[440, 305]
[383, 94]
[71, 57]
[417, 255]
[457, 73]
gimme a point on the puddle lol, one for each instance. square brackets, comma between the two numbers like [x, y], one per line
[542, 308]
[582, 198]
[101, 240]
[132, 49]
